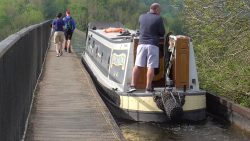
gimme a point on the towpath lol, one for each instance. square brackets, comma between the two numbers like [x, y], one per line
[67, 106]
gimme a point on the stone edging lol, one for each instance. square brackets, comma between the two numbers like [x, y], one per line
[229, 111]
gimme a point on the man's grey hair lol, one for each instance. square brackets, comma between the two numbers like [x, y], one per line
[154, 6]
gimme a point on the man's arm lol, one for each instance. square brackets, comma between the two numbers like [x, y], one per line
[53, 23]
[161, 27]
[73, 24]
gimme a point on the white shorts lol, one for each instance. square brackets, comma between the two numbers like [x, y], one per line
[147, 54]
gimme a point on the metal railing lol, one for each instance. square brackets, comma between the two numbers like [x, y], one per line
[21, 59]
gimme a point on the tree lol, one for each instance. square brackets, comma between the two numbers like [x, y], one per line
[220, 31]
[16, 14]
[79, 10]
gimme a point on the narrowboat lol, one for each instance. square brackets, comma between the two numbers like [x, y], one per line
[109, 58]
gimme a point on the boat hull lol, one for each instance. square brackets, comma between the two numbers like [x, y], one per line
[113, 101]
[129, 106]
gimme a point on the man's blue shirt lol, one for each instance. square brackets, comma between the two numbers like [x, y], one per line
[58, 24]
[151, 29]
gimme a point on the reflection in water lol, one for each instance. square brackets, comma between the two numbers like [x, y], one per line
[209, 130]
[78, 42]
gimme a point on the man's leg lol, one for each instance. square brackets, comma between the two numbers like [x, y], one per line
[65, 45]
[150, 76]
[152, 63]
[135, 75]
[69, 36]
[60, 48]
[69, 46]
[57, 49]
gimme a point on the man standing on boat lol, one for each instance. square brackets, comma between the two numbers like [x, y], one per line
[151, 29]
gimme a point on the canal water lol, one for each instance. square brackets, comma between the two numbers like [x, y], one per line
[207, 130]
[210, 129]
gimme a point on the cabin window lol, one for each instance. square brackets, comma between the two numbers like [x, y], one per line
[108, 62]
[89, 39]
[96, 51]
[101, 56]
[93, 44]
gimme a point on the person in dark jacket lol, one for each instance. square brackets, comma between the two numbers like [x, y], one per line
[70, 26]
[151, 29]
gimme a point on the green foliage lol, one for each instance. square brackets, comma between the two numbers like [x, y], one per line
[220, 31]
[51, 7]
[16, 14]
[79, 12]
[83, 11]
[33, 15]
[243, 100]
[125, 11]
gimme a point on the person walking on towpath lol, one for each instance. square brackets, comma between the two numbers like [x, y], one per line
[58, 25]
[151, 29]
[70, 26]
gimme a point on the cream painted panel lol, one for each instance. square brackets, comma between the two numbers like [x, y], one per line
[139, 103]
[194, 102]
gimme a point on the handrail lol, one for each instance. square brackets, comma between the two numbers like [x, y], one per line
[8, 42]
[21, 57]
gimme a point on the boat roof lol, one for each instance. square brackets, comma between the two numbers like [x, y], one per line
[115, 36]
[113, 32]
[103, 25]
